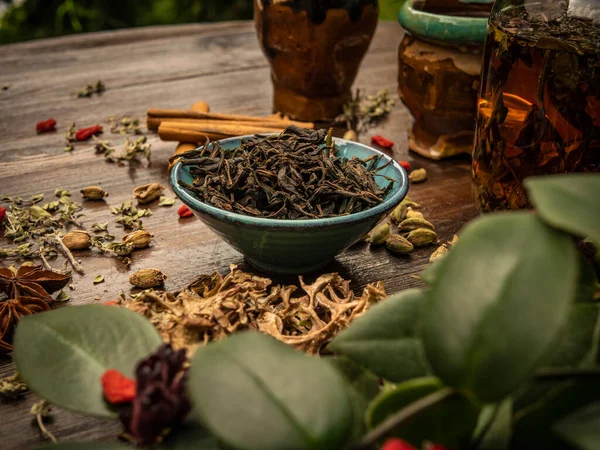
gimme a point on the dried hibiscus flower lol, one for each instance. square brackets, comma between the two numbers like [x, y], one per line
[156, 400]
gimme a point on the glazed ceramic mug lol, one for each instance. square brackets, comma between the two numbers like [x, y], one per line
[314, 52]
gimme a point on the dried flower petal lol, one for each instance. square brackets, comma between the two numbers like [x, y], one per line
[117, 387]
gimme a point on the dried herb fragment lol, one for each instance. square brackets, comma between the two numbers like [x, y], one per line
[294, 175]
[98, 279]
[91, 89]
[41, 410]
[361, 114]
[213, 306]
[12, 388]
[70, 137]
[125, 125]
[133, 150]
[163, 201]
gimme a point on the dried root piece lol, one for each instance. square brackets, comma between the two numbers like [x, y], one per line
[212, 307]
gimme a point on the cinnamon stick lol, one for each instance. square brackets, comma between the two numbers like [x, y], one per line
[176, 134]
[164, 114]
[221, 128]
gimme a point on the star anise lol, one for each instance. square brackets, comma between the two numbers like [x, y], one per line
[27, 290]
[11, 311]
[31, 281]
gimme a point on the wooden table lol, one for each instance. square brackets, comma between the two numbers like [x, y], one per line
[173, 67]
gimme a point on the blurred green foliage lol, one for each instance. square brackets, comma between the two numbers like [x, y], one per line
[33, 19]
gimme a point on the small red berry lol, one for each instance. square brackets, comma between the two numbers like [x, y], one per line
[117, 387]
[184, 212]
[397, 444]
[45, 125]
[405, 165]
[382, 142]
[2, 214]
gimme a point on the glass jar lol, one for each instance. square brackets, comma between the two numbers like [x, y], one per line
[538, 111]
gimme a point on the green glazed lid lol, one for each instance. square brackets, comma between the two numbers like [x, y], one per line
[453, 30]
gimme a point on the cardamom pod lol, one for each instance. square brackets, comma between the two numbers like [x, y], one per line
[93, 193]
[379, 234]
[398, 245]
[422, 237]
[351, 135]
[148, 193]
[439, 253]
[138, 238]
[77, 240]
[399, 213]
[418, 176]
[413, 224]
[147, 278]
[412, 214]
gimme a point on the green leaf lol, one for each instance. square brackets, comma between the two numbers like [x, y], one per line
[85, 446]
[363, 387]
[569, 202]
[499, 300]
[62, 354]
[190, 436]
[576, 338]
[582, 428]
[497, 426]
[385, 340]
[533, 425]
[449, 422]
[254, 392]
[98, 279]
[166, 201]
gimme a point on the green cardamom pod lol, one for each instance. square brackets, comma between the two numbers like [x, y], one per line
[379, 234]
[418, 176]
[399, 213]
[398, 245]
[93, 193]
[422, 237]
[412, 214]
[439, 253]
[415, 223]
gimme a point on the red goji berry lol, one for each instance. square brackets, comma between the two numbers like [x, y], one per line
[397, 444]
[46, 125]
[405, 165]
[2, 214]
[382, 142]
[117, 387]
[84, 134]
[184, 211]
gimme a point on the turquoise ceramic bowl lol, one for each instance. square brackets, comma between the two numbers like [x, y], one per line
[294, 246]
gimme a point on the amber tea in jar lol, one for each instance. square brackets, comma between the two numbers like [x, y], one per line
[538, 111]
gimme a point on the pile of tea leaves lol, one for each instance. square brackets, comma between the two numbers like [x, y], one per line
[294, 175]
[212, 307]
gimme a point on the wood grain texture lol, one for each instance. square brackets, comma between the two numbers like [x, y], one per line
[171, 67]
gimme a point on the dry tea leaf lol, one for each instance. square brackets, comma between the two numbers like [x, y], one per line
[212, 307]
[148, 193]
[147, 278]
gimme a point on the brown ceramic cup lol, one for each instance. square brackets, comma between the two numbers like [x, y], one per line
[314, 53]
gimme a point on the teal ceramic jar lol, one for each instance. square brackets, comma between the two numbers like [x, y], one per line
[295, 246]
[439, 72]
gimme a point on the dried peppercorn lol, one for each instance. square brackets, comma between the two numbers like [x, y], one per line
[397, 444]
[184, 212]
[382, 142]
[405, 165]
[2, 214]
[117, 387]
[84, 134]
[46, 125]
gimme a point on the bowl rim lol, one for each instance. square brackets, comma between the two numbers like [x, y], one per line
[261, 222]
